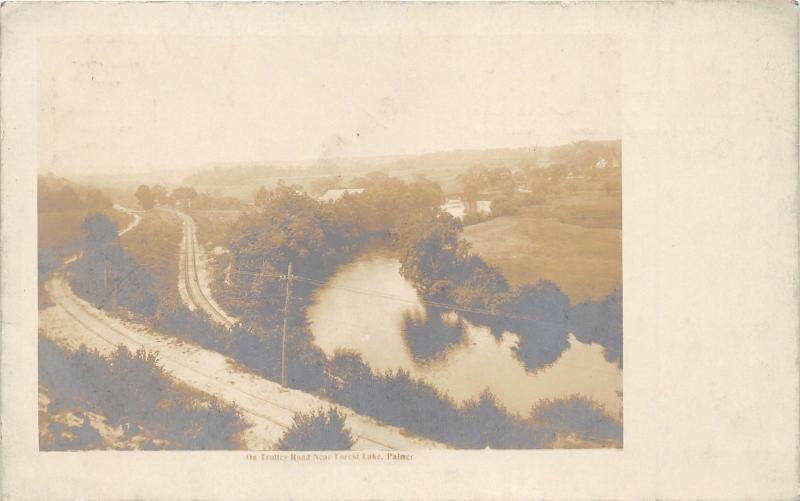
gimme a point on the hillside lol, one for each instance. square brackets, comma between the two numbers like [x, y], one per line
[243, 178]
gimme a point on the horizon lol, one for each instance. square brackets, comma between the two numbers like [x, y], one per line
[173, 104]
[309, 162]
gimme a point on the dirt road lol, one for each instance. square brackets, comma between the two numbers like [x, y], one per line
[134, 214]
[265, 405]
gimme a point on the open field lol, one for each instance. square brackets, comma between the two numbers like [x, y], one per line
[574, 241]
[153, 244]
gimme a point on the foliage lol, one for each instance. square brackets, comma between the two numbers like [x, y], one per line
[600, 322]
[145, 197]
[317, 431]
[577, 415]
[216, 201]
[132, 389]
[155, 248]
[159, 194]
[62, 208]
[182, 193]
[58, 195]
[429, 338]
[439, 262]
[108, 277]
[395, 398]
[480, 178]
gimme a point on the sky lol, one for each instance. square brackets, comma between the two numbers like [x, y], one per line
[129, 105]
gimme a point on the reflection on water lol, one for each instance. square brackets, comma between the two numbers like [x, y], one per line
[346, 316]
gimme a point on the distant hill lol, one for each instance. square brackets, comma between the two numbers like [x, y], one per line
[244, 178]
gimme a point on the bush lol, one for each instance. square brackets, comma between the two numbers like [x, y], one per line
[578, 416]
[317, 431]
[132, 390]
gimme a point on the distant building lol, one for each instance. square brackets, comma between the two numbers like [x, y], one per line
[484, 206]
[334, 195]
[454, 207]
[458, 209]
[183, 203]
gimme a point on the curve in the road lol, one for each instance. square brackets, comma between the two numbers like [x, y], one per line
[136, 218]
[85, 315]
[63, 295]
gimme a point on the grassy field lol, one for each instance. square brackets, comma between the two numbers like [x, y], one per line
[154, 244]
[573, 240]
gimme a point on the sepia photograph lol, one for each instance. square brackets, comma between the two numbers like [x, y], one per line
[399, 250]
[397, 245]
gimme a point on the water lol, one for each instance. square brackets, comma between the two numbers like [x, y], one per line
[348, 314]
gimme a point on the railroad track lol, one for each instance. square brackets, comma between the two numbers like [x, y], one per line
[215, 374]
[95, 323]
[195, 295]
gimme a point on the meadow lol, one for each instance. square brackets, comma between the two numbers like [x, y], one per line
[573, 240]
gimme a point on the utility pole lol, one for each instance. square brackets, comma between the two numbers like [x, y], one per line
[285, 320]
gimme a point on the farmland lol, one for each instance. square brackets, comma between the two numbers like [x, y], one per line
[572, 240]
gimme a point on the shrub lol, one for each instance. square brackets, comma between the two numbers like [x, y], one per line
[132, 390]
[578, 416]
[317, 431]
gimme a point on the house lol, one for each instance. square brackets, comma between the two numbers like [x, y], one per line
[454, 207]
[484, 207]
[334, 195]
[458, 209]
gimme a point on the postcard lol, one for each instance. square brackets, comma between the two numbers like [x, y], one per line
[399, 251]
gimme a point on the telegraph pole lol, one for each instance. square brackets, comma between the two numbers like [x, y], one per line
[285, 320]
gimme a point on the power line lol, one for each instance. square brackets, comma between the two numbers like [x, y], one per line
[289, 277]
[438, 305]
[385, 295]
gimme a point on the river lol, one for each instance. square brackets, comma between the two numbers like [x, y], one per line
[363, 308]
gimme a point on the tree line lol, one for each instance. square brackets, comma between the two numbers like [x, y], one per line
[151, 196]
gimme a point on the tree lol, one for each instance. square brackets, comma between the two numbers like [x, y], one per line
[68, 199]
[159, 194]
[317, 431]
[472, 182]
[428, 245]
[184, 194]
[261, 196]
[145, 196]
[99, 229]
[96, 200]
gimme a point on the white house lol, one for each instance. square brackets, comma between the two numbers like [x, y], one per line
[484, 206]
[458, 209]
[454, 207]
